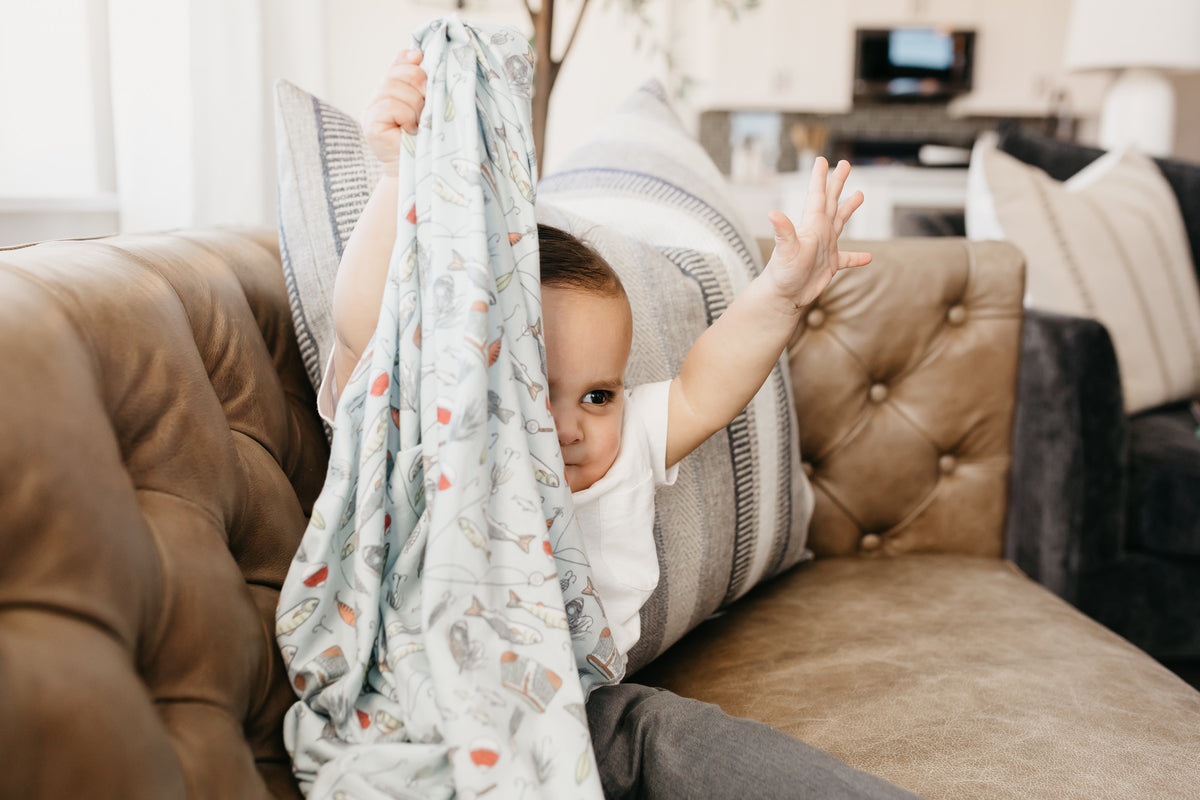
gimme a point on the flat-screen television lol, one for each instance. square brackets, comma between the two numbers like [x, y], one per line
[913, 63]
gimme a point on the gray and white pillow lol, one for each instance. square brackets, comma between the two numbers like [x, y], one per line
[647, 196]
[325, 173]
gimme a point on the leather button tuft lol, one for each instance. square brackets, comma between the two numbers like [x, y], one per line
[878, 393]
[816, 318]
[870, 541]
[947, 463]
[957, 315]
[807, 467]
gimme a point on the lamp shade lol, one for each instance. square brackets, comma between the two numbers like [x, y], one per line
[1117, 34]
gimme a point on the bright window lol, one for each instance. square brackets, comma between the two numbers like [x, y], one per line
[49, 89]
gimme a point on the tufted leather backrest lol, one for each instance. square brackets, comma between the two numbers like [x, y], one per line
[905, 382]
[159, 453]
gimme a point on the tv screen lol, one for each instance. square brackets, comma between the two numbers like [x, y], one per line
[913, 63]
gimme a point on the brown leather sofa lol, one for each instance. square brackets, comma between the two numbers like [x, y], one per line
[160, 450]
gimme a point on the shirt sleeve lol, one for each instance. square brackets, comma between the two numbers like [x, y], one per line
[648, 403]
[327, 392]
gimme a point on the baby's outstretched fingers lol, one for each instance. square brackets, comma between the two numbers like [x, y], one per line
[837, 181]
[784, 229]
[816, 186]
[786, 241]
[852, 258]
[845, 210]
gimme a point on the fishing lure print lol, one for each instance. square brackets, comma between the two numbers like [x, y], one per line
[467, 654]
[521, 373]
[514, 632]
[290, 621]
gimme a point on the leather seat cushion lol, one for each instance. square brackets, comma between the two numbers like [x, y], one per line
[952, 676]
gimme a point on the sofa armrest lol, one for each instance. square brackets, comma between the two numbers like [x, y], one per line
[1066, 499]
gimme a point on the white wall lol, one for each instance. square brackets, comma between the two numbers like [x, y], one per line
[190, 113]
[49, 40]
[226, 72]
[152, 112]
[605, 65]
[188, 136]
[294, 48]
[56, 167]
[192, 88]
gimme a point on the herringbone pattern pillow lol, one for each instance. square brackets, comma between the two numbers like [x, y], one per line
[325, 176]
[649, 198]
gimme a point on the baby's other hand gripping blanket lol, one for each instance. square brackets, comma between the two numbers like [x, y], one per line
[438, 621]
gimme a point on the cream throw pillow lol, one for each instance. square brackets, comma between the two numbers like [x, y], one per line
[1109, 244]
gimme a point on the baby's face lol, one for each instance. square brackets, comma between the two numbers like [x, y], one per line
[587, 344]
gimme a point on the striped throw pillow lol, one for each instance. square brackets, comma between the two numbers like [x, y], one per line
[325, 173]
[1109, 243]
[648, 197]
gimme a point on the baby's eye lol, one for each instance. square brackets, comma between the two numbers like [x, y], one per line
[598, 397]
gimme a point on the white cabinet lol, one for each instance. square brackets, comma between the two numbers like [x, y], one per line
[881, 13]
[1018, 62]
[798, 55]
[889, 13]
[784, 55]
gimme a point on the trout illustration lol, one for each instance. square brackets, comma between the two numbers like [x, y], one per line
[500, 533]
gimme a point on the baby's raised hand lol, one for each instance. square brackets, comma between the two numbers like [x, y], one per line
[806, 258]
[395, 106]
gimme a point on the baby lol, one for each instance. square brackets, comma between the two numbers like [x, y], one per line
[619, 444]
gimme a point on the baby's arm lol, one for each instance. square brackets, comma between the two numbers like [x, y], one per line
[362, 272]
[729, 362]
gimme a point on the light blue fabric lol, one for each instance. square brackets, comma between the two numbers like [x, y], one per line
[438, 622]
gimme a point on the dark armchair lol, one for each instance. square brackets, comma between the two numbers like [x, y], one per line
[1123, 492]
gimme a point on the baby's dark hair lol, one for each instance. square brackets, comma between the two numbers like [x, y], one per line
[567, 262]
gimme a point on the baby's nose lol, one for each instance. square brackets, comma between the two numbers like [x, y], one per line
[569, 431]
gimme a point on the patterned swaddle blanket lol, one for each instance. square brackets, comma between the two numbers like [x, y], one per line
[438, 621]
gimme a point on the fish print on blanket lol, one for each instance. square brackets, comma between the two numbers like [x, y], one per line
[438, 623]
